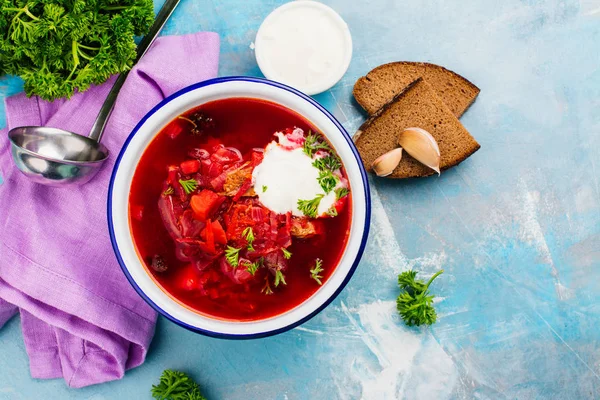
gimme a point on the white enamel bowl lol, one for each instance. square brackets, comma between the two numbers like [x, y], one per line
[159, 117]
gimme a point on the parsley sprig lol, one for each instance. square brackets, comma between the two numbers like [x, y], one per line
[189, 186]
[61, 47]
[329, 162]
[232, 255]
[415, 304]
[175, 385]
[267, 287]
[314, 143]
[327, 180]
[310, 208]
[248, 234]
[252, 267]
[286, 254]
[341, 192]
[315, 272]
[279, 278]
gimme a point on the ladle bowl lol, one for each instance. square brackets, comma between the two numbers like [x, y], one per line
[56, 157]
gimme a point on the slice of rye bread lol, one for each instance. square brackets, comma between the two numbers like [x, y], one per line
[416, 106]
[384, 82]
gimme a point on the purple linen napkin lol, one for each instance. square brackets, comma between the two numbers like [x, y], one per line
[81, 319]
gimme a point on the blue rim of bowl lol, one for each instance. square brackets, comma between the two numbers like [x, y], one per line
[363, 239]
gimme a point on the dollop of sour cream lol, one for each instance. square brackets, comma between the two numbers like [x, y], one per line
[286, 176]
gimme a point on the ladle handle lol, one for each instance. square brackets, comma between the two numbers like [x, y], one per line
[108, 105]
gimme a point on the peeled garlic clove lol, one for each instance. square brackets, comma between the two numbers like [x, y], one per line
[422, 146]
[386, 164]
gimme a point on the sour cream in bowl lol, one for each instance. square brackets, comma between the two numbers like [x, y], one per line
[304, 44]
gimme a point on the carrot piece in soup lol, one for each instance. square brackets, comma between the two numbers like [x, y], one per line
[190, 167]
[210, 237]
[204, 203]
[219, 232]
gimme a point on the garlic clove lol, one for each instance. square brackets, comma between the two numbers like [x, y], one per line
[421, 146]
[386, 164]
[356, 135]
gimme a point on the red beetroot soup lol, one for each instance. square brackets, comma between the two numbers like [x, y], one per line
[218, 241]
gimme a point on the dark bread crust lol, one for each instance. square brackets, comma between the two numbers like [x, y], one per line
[415, 106]
[382, 83]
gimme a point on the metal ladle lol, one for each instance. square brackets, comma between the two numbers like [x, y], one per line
[56, 157]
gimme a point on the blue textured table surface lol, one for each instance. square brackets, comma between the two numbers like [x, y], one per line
[516, 227]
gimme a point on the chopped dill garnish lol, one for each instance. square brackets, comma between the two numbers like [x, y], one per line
[169, 191]
[248, 234]
[279, 278]
[189, 186]
[332, 212]
[286, 254]
[341, 192]
[264, 188]
[232, 256]
[310, 208]
[315, 272]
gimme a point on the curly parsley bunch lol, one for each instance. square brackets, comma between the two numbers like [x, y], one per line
[175, 385]
[415, 303]
[62, 46]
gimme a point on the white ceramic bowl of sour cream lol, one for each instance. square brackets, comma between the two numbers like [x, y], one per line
[304, 44]
[153, 123]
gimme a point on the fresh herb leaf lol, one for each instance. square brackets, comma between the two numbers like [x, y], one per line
[267, 287]
[286, 254]
[279, 278]
[189, 186]
[61, 47]
[175, 385]
[415, 304]
[169, 191]
[232, 255]
[310, 208]
[332, 212]
[341, 192]
[314, 143]
[264, 188]
[315, 272]
[248, 234]
[253, 267]
[329, 163]
[327, 180]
